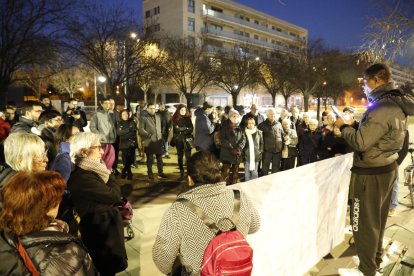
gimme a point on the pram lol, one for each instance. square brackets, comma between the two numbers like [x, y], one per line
[125, 209]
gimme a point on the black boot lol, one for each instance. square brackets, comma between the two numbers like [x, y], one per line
[123, 174]
[181, 174]
[129, 174]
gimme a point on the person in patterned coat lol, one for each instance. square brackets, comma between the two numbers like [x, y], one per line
[182, 234]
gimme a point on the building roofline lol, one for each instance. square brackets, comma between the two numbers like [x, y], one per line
[244, 8]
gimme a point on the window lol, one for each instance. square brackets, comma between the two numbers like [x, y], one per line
[147, 14]
[156, 10]
[256, 22]
[157, 28]
[191, 6]
[279, 29]
[256, 37]
[191, 25]
[217, 27]
[246, 34]
[217, 9]
[273, 28]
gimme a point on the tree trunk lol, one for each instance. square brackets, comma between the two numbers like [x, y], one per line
[189, 100]
[318, 108]
[286, 101]
[306, 102]
[274, 100]
[234, 96]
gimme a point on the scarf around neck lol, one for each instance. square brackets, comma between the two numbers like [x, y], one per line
[252, 161]
[93, 165]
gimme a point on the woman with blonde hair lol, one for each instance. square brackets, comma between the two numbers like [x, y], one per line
[30, 234]
[23, 152]
[95, 195]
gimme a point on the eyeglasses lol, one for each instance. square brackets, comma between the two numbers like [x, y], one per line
[57, 119]
[96, 147]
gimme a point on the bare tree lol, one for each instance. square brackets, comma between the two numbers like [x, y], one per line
[70, 79]
[276, 75]
[29, 35]
[106, 39]
[186, 66]
[391, 34]
[235, 70]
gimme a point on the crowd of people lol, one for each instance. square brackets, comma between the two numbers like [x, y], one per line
[59, 187]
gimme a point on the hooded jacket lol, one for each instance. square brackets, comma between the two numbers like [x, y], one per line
[204, 129]
[381, 132]
[23, 125]
[101, 123]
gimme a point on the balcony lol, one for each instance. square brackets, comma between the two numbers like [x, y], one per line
[234, 20]
[242, 39]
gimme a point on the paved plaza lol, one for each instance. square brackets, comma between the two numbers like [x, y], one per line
[151, 199]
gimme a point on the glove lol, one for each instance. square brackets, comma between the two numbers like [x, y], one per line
[235, 152]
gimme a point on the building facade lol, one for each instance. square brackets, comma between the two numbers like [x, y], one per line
[225, 24]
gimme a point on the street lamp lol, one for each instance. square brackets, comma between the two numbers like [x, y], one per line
[101, 79]
[133, 36]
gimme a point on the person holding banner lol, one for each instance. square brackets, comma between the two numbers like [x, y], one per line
[376, 143]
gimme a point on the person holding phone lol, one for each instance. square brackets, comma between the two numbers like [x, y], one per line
[376, 143]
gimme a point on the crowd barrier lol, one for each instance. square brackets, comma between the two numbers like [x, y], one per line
[302, 214]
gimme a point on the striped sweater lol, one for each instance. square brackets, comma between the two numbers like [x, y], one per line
[182, 232]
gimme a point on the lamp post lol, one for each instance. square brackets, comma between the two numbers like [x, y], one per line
[133, 36]
[101, 79]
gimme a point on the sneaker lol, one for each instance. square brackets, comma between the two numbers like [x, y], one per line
[391, 213]
[379, 269]
[161, 175]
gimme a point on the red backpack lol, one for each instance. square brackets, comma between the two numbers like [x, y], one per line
[228, 253]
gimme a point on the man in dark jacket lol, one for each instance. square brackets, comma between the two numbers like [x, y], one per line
[204, 128]
[165, 127]
[47, 104]
[74, 115]
[272, 137]
[376, 142]
[31, 111]
[258, 118]
[150, 130]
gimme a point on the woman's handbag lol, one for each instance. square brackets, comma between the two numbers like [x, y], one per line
[189, 143]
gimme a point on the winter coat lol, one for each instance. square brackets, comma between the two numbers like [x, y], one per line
[258, 146]
[5, 130]
[333, 145]
[150, 130]
[231, 137]
[101, 123]
[101, 226]
[182, 232]
[291, 142]
[311, 143]
[182, 130]
[380, 135]
[23, 125]
[52, 252]
[258, 118]
[62, 163]
[127, 132]
[80, 123]
[47, 134]
[5, 174]
[204, 129]
[272, 136]
[165, 123]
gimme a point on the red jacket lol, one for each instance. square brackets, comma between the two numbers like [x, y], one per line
[5, 129]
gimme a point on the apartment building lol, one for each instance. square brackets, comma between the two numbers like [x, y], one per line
[402, 75]
[225, 24]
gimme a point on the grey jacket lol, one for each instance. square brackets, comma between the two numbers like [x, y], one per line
[381, 131]
[258, 146]
[150, 128]
[204, 129]
[101, 123]
[272, 136]
[182, 232]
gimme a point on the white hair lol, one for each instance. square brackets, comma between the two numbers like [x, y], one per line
[21, 148]
[286, 121]
[313, 121]
[82, 140]
[270, 109]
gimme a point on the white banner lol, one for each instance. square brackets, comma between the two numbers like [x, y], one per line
[302, 215]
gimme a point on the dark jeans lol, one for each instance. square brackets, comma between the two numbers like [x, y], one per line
[116, 148]
[288, 163]
[128, 156]
[270, 157]
[150, 161]
[181, 151]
